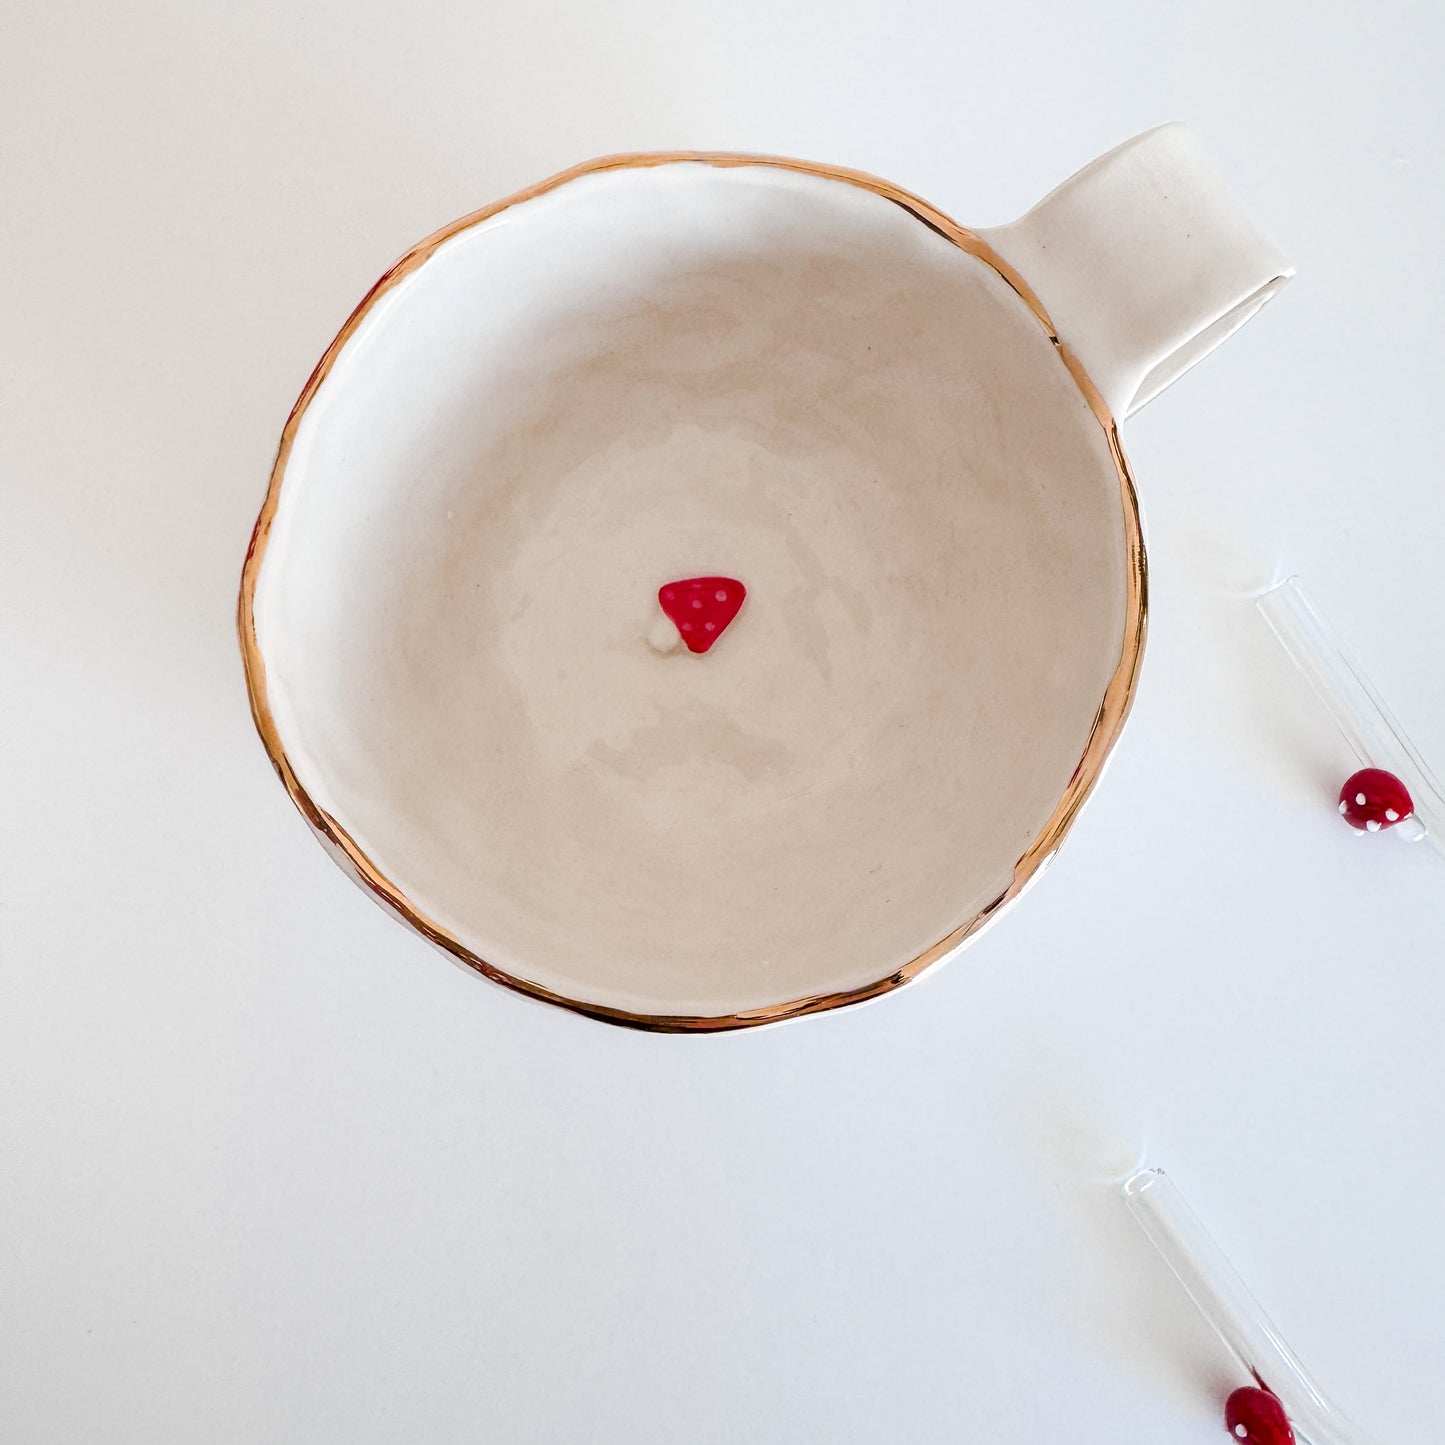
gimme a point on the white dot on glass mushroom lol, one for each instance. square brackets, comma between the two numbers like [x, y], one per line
[1242, 1431]
[670, 593]
[697, 602]
[720, 595]
[1392, 815]
[1360, 799]
[687, 627]
[709, 627]
[1373, 825]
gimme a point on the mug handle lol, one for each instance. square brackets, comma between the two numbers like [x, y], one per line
[1145, 261]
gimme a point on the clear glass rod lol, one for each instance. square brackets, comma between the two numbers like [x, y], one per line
[1222, 1298]
[1359, 712]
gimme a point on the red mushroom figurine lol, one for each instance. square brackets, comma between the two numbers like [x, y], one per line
[1373, 799]
[701, 607]
[1256, 1417]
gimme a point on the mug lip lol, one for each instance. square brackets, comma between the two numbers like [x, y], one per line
[1108, 721]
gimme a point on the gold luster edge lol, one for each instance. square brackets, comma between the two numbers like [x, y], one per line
[1118, 695]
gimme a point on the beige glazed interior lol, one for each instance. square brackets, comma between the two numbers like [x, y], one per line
[652, 372]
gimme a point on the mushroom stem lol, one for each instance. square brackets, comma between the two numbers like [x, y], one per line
[663, 636]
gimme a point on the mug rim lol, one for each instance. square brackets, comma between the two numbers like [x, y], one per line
[1108, 722]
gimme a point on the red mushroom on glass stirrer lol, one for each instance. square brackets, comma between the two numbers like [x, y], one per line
[1256, 1417]
[1373, 799]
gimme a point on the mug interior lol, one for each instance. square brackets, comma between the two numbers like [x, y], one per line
[662, 371]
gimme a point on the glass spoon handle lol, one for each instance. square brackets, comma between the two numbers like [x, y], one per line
[1357, 709]
[1222, 1298]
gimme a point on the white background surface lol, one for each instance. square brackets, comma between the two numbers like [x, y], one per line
[275, 1171]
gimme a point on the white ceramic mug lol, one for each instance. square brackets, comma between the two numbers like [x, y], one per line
[898, 434]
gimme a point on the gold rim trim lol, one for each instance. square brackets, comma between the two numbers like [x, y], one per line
[1108, 722]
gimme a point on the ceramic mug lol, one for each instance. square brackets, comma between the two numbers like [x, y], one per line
[898, 437]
